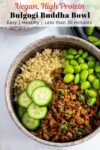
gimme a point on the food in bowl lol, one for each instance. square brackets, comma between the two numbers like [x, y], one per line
[38, 67]
[91, 38]
[57, 94]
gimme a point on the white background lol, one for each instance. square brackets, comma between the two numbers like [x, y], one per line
[11, 138]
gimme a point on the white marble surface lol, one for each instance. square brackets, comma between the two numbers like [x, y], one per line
[11, 138]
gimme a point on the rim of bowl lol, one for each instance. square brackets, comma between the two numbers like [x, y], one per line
[7, 86]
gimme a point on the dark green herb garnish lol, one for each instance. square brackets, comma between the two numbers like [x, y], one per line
[60, 92]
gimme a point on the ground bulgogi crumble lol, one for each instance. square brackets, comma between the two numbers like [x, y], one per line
[68, 118]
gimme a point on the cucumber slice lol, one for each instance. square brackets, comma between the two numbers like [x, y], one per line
[20, 111]
[24, 100]
[37, 112]
[16, 99]
[42, 96]
[29, 122]
[34, 84]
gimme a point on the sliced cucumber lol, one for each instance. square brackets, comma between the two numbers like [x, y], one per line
[16, 99]
[20, 111]
[24, 100]
[37, 112]
[42, 96]
[34, 84]
[29, 122]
